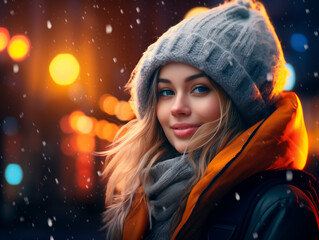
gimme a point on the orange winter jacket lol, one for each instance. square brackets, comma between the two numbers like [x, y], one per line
[278, 142]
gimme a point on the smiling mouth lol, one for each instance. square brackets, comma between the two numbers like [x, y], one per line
[185, 131]
[187, 127]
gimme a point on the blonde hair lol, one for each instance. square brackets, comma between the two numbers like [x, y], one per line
[141, 142]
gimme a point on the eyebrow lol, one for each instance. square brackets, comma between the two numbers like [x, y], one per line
[190, 78]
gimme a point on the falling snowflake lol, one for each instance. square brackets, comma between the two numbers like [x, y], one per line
[108, 29]
[50, 222]
[49, 24]
[15, 68]
[289, 175]
[237, 196]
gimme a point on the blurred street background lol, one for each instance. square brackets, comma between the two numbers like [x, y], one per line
[63, 67]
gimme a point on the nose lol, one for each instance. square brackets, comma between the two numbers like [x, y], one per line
[180, 106]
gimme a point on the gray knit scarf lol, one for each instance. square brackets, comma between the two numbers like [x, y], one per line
[168, 179]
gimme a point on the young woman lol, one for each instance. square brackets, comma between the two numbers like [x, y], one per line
[217, 148]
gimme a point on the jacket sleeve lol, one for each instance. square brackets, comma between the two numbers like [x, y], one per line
[284, 212]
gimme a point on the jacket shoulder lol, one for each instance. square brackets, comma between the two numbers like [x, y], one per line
[270, 205]
[283, 212]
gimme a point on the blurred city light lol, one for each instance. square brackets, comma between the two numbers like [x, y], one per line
[98, 128]
[196, 10]
[64, 69]
[18, 47]
[13, 174]
[108, 103]
[10, 126]
[65, 124]
[84, 168]
[299, 42]
[4, 38]
[291, 79]
[73, 118]
[85, 143]
[84, 124]
[124, 111]
[109, 131]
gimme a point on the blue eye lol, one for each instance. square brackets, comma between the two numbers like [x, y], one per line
[165, 92]
[201, 89]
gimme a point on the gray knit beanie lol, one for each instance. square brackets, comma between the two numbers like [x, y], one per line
[234, 44]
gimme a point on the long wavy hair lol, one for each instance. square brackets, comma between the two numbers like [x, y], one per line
[141, 142]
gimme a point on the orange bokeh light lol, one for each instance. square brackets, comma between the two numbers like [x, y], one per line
[98, 128]
[108, 103]
[84, 124]
[18, 47]
[84, 168]
[65, 124]
[73, 118]
[196, 10]
[109, 131]
[4, 38]
[85, 143]
[123, 111]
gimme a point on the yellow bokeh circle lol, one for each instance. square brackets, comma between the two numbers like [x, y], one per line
[64, 69]
[18, 47]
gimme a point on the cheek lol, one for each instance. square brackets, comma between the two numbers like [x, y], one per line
[210, 110]
[161, 113]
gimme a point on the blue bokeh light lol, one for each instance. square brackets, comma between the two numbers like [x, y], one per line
[299, 42]
[291, 79]
[10, 126]
[13, 174]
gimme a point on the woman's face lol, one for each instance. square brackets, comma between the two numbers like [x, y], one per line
[186, 100]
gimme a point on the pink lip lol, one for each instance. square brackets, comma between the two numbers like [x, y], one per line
[184, 129]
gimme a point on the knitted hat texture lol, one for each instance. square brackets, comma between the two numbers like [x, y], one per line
[234, 44]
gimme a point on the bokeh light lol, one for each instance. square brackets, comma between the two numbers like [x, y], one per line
[65, 124]
[13, 174]
[299, 42]
[108, 103]
[18, 47]
[84, 167]
[109, 131]
[85, 143]
[4, 38]
[291, 79]
[73, 118]
[64, 69]
[84, 124]
[194, 11]
[123, 111]
[10, 126]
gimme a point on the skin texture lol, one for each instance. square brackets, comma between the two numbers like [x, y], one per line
[186, 100]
